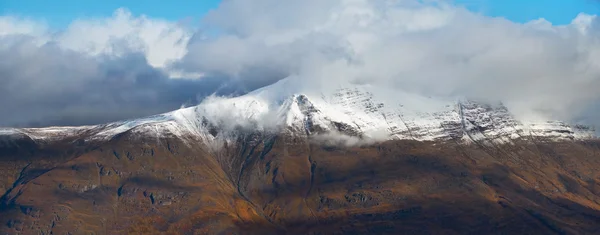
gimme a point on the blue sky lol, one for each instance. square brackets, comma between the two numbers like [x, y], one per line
[555, 11]
[61, 12]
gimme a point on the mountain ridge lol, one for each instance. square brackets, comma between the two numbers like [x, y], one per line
[359, 111]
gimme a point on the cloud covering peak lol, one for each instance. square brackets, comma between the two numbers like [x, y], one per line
[124, 65]
[436, 49]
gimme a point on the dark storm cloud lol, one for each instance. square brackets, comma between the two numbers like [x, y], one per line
[47, 85]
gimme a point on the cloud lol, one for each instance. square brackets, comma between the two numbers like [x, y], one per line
[50, 86]
[432, 48]
[334, 139]
[95, 71]
[160, 40]
[15, 26]
[123, 66]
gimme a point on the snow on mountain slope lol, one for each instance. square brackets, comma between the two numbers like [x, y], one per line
[360, 111]
[45, 134]
[374, 112]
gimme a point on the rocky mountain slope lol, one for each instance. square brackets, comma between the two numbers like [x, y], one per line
[345, 160]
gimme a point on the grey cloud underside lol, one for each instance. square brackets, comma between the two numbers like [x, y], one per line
[48, 85]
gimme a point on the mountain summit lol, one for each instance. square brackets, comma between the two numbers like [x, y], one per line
[351, 111]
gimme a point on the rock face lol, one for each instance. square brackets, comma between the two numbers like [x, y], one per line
[347, 160]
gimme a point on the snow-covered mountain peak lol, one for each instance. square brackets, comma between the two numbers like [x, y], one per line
[358, 111]
[368, 111]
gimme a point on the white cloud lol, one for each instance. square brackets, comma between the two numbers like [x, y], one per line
[432, 48]
[161, 41]
[13, 26]
[584, 22]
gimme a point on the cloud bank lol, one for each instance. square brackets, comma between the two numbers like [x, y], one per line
[124, 66]
[95, 71]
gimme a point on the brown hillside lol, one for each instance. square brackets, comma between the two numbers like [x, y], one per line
[280, 185]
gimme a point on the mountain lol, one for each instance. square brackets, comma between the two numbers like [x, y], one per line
[295, 158]
[360, 111]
